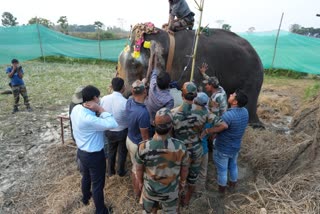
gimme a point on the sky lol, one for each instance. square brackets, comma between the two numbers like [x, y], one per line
[263, 15]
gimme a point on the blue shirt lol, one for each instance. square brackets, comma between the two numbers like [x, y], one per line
[15, 79]
[88, 129]
[229, 141]
[138, 118]
[157, 98]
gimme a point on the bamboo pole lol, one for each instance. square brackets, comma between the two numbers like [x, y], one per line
[40, 42]
[275, 44]
[194, 55]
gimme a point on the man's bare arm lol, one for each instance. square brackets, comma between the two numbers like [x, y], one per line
[144, 133]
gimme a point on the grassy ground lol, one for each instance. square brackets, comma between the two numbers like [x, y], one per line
[51, 85]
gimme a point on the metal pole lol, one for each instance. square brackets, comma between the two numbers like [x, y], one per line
[275, 44]
[40, 42]
[197, 40]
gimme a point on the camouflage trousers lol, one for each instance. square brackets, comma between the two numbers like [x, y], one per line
[150, 204]
[201, 183]
[17, 90]
[195, 154]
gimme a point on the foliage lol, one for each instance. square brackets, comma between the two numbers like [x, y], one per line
[98, 25]
[45, 22]
[309, 31]
[104, 35]
[8, 20]
[251, 29]
[312, 91]
[226, 27]
[69, 60]
[285, 73]
[63, 22]
[82, 28]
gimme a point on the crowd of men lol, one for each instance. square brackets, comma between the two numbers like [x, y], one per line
[168, 147]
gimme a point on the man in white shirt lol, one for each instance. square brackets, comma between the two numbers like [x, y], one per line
[115, 104]
[88, 131]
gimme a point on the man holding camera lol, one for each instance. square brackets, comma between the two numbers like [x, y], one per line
[15, 73]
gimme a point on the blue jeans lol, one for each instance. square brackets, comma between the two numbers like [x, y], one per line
[224, 164]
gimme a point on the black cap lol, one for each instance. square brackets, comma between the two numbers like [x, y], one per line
[14, 61]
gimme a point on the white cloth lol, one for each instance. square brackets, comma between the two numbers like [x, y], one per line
[115, 104]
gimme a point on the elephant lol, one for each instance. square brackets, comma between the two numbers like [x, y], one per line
[230, 58]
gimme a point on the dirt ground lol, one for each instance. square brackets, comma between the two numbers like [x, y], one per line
[39, 173]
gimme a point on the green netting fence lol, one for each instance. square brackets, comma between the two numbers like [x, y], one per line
[294, 52]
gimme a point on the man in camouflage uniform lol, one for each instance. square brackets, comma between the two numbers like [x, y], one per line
[162, 167]
[15, 73]
[188, 122]
[218, 101]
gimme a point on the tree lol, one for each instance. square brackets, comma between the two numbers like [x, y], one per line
[251, 29]
[63, 22]
[294, 28]
[98, 25]
[42, 21]
[220, 22]
[306, 31]
[226, 27]
[8, 19]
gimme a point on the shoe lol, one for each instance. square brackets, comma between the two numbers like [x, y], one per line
[123, 173]
[231, 186]
[15, 110]
[222, 189]
[86, 201]
[29, 109]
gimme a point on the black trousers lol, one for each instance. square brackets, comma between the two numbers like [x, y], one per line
[117, 144]
[94, 171]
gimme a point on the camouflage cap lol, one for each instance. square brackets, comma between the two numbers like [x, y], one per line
[138, 87]
[189, 88]
[212, 81]
[163, 117]
[201, 99]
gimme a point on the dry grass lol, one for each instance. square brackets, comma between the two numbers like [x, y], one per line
[292, 194]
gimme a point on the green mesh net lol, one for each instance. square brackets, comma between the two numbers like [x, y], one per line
[293, 52]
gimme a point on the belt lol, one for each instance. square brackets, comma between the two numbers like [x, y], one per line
[89, 152]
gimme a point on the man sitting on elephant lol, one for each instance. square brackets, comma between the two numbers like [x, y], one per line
[185, 17]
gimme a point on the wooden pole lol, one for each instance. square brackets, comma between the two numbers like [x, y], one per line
[275, 44]
[198, 31]
[40, 42]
